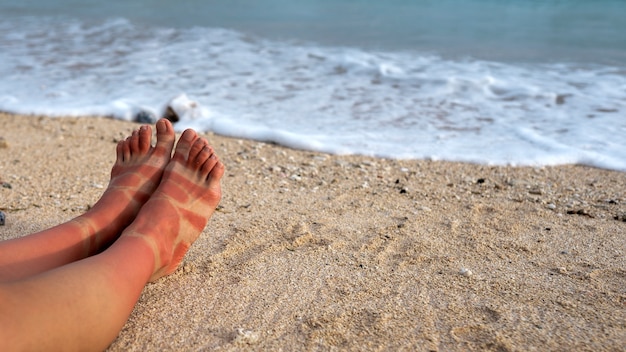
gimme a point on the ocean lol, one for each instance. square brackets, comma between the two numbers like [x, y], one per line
[507, 82]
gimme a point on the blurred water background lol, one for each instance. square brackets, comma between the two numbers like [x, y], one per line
[493, 82]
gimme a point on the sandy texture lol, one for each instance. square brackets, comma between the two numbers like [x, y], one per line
[310, 251]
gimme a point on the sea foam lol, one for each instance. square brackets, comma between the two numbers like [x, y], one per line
[397, 104]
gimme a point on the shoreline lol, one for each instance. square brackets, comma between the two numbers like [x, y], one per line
[315, 251]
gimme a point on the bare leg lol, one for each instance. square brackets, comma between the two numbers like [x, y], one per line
[135, 175]
[84, 305]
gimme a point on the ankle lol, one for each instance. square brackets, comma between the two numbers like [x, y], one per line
[138, 250]
[154, 237]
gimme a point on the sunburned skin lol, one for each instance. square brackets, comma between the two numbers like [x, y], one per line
[181, 206]
[74, 286]
[135, 175]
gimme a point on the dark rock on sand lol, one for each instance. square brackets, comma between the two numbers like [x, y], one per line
[144, 116]
[182, 108]
[171, 115]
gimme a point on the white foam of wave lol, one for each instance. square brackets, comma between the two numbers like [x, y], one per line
[339, 100]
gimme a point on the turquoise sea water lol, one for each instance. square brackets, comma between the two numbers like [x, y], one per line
[511, 30]
[497, 82]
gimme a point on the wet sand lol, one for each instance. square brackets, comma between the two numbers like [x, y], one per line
[310, 251]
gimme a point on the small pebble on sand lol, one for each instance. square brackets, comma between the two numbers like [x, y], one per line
[465, 272]
[295, 177]
[2, 218]
[246, 337]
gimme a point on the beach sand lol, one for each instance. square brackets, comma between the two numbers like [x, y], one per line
[310, 251]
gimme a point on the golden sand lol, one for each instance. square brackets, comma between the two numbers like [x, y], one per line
[310, 251]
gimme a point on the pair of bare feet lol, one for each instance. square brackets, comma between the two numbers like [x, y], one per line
[74, 286]
[165, 200]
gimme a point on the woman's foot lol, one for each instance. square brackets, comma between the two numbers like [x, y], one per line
[135, 175]
[181, 206]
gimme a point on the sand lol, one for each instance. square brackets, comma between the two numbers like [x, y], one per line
[310, 251]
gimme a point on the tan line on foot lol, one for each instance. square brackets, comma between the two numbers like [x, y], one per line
[134, 177]
[181, 206]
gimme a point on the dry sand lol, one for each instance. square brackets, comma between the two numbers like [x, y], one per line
[310, 251]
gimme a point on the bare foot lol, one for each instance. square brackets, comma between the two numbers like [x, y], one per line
[181, 206]
[135, 175]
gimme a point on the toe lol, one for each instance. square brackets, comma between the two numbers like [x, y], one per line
[184, 144]
[119, 150]
[126, 148]
[145, 139]
[165, 136]
[202, 159]
[134, 142]
[195, 150]
[209, 164]
[214, 177]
